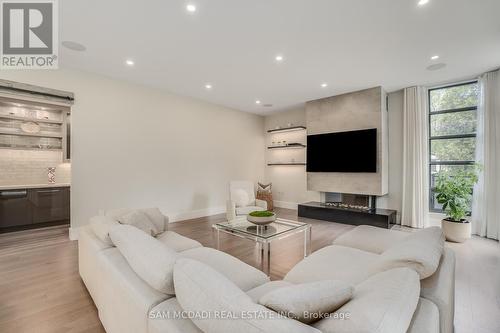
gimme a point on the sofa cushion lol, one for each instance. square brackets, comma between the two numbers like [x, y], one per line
[147, 256]
[370, 239]
[140, 220]
[384, 303]
[308, 301]
[420, 251]
[177, 242]
[201, 289]
[257, 292]
[167, 317]
[248, 209]
[333, 263]
[243, 275]
[425, 319]
[154, 214]
[101, 225]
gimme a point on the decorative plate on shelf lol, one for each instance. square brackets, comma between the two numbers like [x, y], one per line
[30, 127]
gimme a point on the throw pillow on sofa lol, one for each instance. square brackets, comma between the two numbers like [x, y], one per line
[147, 256]
[225, 307]
[140, 220]
[154, 214]
[307, 302]
[421, 251]
[101, 225]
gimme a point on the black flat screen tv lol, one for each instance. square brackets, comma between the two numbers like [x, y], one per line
[354, 151]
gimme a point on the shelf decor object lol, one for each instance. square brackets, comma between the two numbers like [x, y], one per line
[288, 146]
[51, 174]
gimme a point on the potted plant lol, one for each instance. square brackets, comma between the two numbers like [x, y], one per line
[454, 193]
[261, 217]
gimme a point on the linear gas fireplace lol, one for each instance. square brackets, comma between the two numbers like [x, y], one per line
[355, 209]
[349, 201]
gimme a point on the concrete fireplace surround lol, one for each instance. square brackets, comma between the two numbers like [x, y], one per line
[348, 112]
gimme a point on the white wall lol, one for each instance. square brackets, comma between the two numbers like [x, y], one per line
[134, 146]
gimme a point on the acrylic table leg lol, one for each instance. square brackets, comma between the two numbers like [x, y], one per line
[217, 239]
[307, 241]
[265, 257]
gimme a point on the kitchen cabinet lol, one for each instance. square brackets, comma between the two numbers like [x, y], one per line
[14, 208]
[49, 204]
[34, 207]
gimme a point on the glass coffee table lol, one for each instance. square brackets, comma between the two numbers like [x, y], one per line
[264, 235]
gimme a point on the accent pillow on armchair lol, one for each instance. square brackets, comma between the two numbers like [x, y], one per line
[264, 193]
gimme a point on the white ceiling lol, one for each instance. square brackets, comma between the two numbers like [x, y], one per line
[350, 44]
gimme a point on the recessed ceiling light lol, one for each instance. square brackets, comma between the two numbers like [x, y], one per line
[73, 46]
[279, 58]
[324, 85]
[208, 86]
[191, 8]
[423, 2]
[130, 62]
[257, 102]
[435, 57]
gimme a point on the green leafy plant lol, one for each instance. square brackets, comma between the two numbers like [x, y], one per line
[264, 213]
[454, 191]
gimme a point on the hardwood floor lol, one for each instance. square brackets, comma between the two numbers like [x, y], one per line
[41, 291]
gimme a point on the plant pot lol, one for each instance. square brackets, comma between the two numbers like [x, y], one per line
[261, 220]
[457, 232]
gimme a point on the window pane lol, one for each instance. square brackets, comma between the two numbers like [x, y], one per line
[453, 123]
[434, 205]
[452, 168]
[453, 149]
[454, 97]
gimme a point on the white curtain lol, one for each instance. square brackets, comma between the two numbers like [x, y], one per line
[415, 206]
[486, 200]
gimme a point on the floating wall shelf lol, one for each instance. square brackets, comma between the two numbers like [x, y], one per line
[36, 120]
[273, 164]
[289, 146]
[287, 129]
[36, 135]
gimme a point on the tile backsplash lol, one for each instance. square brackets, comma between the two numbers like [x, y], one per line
[26, 167]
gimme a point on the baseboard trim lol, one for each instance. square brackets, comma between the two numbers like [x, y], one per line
[286, 204]
[178, 217]
[73, 233]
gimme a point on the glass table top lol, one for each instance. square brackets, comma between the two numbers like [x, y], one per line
[278, 227]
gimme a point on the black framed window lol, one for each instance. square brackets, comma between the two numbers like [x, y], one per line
[452, 131]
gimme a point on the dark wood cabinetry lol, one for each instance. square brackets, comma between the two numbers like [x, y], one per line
[29, 208]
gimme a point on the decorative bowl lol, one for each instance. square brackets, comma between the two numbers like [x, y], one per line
[261, 217]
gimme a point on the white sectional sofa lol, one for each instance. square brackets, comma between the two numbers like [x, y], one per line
[130, 290]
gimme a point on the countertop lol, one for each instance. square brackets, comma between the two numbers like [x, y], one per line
[22, 187]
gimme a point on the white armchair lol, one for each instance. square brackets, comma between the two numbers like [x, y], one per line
[242, 200]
